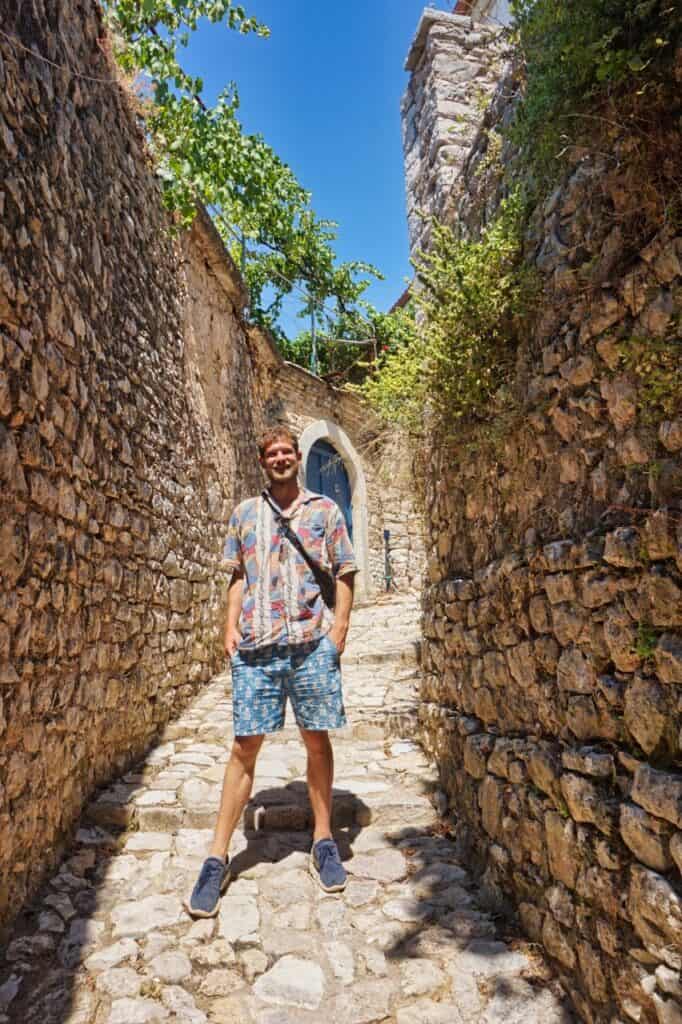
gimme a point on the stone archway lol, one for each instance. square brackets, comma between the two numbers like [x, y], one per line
[327, 430]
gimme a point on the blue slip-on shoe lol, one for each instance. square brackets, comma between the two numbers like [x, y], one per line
[210, 885]
[326, 866]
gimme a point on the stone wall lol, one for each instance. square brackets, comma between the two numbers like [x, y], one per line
[113, 486]
[552, 687]
[131, 397]
[495, 11]
[455, 66]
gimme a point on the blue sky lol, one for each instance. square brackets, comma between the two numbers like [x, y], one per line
[324, 90]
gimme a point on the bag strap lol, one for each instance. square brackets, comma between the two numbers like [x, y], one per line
[324, 579]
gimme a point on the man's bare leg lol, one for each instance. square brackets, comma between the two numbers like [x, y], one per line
[320, 779]
[237, 785]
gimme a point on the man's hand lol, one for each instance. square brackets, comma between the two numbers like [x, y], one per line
[233, 638]
[337, 634]
[344, 602]
[235, 591]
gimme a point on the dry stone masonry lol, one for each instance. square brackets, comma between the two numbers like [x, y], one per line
[406, 943]
[552, 687]
[455, 68]
[131, 396]
[112, 500]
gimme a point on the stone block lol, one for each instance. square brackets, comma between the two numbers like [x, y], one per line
[558, 942]
[646, 836]
[668, 658]
[656, 913]
[575, 672]
[492, 804]
[476, 750]
[589, 761]
[647, 713]
[670, 435]
[559, 587]
[587, 803]
[659, 793]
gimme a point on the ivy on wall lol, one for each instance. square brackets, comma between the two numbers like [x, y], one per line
[604, 76]
[656, 364]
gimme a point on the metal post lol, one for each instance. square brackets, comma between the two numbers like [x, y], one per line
[313, 354]
[242, 267]
[388, 571]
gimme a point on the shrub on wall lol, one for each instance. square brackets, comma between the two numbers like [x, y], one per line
[473, 296]
[595, 69]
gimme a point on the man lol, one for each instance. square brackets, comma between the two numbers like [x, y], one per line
[283, 641]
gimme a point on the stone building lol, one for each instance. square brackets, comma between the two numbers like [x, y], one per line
[455, 66]
[491, 11]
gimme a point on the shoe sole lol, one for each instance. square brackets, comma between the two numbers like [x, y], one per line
[208, 913]
[316, 875]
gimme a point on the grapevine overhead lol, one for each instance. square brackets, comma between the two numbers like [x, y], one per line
[204, 155]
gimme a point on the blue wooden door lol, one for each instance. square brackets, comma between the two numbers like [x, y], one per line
[326, 474]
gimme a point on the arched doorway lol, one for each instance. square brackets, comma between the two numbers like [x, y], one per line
[326, 474]
[336, 443]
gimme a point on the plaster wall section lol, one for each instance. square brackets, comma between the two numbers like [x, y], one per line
[551, 696]
[454, 66]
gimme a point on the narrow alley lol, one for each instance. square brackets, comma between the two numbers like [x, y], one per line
[107, 940]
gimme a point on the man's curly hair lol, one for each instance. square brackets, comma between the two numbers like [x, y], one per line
[278, 433]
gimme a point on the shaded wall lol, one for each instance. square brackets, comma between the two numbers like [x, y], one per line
[114, 479]
[552, 690]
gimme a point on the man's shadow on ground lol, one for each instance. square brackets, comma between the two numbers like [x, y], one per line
[278, 821]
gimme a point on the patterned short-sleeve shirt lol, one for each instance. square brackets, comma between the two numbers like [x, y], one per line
[282, 603]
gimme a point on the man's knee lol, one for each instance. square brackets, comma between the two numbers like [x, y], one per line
[245, 749]
[317, 742]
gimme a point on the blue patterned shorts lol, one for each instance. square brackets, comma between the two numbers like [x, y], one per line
[308, 674]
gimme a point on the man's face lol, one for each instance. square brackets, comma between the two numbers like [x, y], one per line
[280, 462]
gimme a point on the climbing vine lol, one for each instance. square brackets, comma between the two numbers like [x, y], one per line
[352, 343]
[657, 365]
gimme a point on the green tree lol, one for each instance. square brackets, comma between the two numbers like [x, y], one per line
[353, 342]
[204, 155]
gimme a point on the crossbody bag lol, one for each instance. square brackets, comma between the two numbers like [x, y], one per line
[324, 579]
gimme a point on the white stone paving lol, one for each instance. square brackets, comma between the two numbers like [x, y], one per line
[108, 942]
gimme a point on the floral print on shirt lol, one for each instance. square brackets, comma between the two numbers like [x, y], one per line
[282, 603]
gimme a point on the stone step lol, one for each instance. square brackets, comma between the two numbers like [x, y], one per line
[404, 654]
[398, 721]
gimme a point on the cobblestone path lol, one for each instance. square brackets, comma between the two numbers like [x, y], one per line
[107, 941]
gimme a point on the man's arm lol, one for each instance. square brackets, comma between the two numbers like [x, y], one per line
[235, 594]
[344, 602]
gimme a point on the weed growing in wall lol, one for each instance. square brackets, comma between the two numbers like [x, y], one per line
[595, 70]
[472, 298]
[647, 639]
[657, 364]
